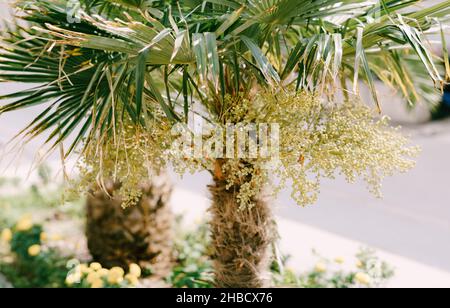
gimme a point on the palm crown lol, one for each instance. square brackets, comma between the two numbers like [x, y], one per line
[173, 53]
[150, 64]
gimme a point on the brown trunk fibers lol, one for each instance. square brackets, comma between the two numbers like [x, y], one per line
[240, 238]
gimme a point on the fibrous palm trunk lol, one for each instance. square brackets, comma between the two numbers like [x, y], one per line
[138, 234]
[240, 238]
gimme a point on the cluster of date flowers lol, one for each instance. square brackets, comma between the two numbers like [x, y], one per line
[271, 140]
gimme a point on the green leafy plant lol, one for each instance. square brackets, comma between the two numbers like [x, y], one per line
[368, 272]
[28, 267]
[193, 267]
[32, 266]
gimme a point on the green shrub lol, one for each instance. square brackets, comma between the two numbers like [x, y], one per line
[31, 265]
[23, 240]
[47, 270]
[194, 267]
[368, 272]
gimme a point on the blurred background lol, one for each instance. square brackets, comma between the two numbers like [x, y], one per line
[409, 227]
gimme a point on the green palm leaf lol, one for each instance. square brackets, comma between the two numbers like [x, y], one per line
[133, 57]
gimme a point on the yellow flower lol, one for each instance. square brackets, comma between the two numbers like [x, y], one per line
[359, 264]
[117, 270]
[133, 280]
[83, 269]
[95, 266]
[73, 278]
[339, 260]
[115, 275]
[34, 250]
[24, 224]
[362, 278]
[135, 270]
[114, 278]
[43, 236]
[103, 272]
[93, 276]
[6, 235]
[320, 268]
[97, 284]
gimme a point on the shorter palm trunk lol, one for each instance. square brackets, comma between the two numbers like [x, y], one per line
[241, 239]
[141, 234]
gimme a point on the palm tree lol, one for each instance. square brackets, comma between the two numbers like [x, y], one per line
[157, 65]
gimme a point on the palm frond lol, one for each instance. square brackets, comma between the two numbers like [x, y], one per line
[130, 57]
[73, 83]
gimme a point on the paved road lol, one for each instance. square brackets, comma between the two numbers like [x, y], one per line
[413, 219]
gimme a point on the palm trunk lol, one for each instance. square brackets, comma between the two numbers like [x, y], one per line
[240, 238]
[139, 234]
